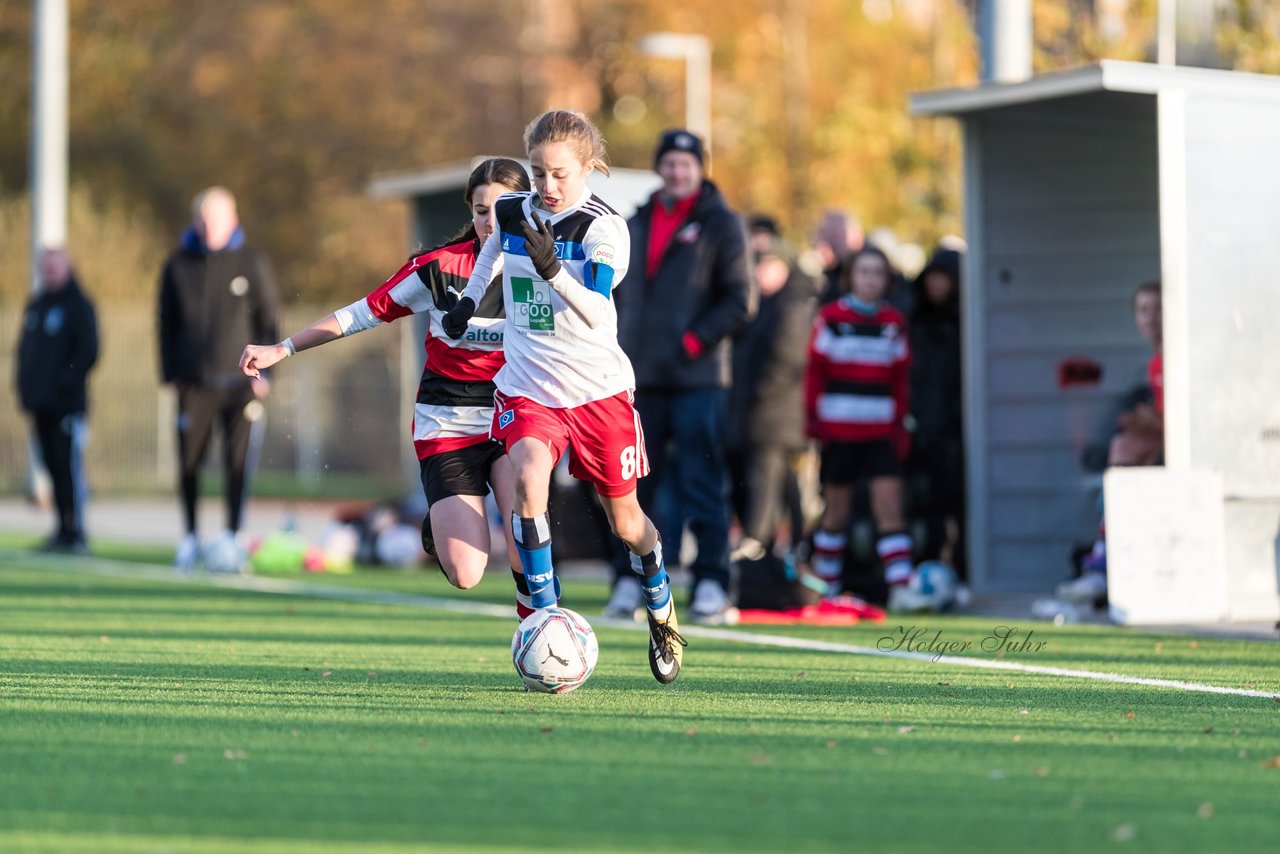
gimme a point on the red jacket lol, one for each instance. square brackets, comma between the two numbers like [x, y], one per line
[857, 377]
[1155, 376]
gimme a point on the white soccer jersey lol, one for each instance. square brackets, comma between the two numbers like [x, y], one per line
[561, 340]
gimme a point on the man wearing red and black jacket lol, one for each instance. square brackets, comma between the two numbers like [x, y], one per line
[676, 326]
[856, 387]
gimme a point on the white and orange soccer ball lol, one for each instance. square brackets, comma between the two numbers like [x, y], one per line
[554, 650]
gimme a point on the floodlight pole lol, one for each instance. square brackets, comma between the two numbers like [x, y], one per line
[1004, 30]
[1167, 32]
[696, 53]
[48, 170]
[48, 130]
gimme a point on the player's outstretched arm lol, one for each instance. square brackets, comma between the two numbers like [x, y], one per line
[258, 357]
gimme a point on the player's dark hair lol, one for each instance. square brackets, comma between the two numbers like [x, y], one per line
[495, 170]
[1152, 287]
[572, 128]
[867, 252]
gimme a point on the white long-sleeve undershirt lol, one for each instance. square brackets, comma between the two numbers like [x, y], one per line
[356, 317]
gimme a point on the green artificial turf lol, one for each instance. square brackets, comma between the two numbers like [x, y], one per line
[143, 715]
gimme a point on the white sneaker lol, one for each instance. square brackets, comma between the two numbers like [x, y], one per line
[1086, 589]
[627, 600]
[224, 555]
[187, 554]
[710, 605]
[904, 600]
[1056, 610]
[748, 549]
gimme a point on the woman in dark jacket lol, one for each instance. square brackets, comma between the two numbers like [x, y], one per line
[766, 401]
[937, 443]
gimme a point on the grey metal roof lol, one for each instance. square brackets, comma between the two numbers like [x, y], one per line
[446, 177]
[1109, 75]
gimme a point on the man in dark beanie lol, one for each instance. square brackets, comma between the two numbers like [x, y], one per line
[675, 324]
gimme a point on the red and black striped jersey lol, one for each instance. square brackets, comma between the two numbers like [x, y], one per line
[454, 406]
[856, 380]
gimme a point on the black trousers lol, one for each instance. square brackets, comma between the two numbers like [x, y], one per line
[62, 439]
[236, 412]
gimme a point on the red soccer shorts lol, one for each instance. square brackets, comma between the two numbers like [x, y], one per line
[604, 437]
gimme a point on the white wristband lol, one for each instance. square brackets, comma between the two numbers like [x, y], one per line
[287, 344]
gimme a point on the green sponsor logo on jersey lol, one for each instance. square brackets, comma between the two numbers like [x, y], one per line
[533, 309]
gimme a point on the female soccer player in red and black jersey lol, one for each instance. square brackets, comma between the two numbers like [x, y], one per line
[567, 384]
[454, 409]
[856, 407]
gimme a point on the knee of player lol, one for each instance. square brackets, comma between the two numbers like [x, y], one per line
[466, 582]
[530, 484]
[463, 575]
[467, 579]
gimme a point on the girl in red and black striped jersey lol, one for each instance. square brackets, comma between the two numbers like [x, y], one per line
[856, 405]
[454, 409]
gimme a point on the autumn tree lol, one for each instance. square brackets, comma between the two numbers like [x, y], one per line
[292, 106]
[295, 105]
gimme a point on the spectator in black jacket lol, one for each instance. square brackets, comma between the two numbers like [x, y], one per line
[216, 295]
[936, 463]
[59, 346]
[766, 403]
[692, 292]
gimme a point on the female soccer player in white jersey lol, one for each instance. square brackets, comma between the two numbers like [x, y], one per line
[566, 384]
[451, 420]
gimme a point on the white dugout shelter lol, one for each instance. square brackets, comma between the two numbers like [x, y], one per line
[1079, 186]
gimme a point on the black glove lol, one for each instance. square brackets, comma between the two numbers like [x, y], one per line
[540, 243]
[455, 319]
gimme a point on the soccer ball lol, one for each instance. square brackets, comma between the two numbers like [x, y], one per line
[340, 543]
[554, 650]
[223, 555]
[936, 582]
